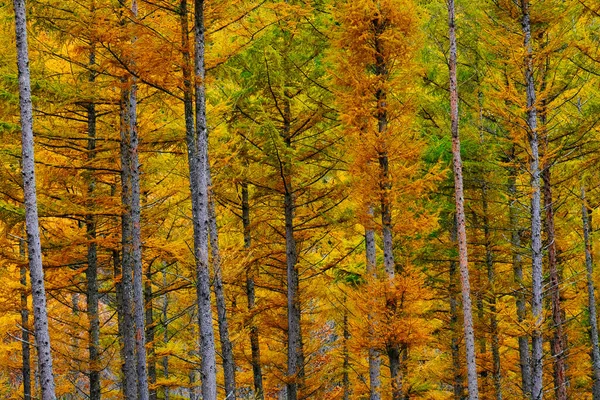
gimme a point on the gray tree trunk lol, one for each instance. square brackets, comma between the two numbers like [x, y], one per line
[458, 378]
[460, 214]
[136, 242]
[558, 342]
[150, 333]
[374, 356]
[591, 298]
[129, 371]
[346, 354]
[295, 346]
[165, 323]
[537, 361]
[226, 346]
[381, 69]
[197, 142]
[491, 274]
[92, 252]
[25, 347]
[34, 247]
[251, 295]
[134, 342]
[515, 240]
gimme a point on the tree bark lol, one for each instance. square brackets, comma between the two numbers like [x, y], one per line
[345, 353]
[226, 346]
[129, 370]
[92, 252]
[25, 347]
[165, 322]
[374, 356]
[295, 348]
[593, 316]
[197, 142]
[150, 334]
[385, 186]
[457, 373]
[491, 275]
[460, 214]
[133, 294]
[251, 296]
[558, 343]
[537, 361]
[515, 240]
[34, 247]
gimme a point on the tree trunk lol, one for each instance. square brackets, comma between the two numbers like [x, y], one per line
[165, 321]
[374, 357]
[481, 339]
[226, 346]
[491, 275]
[591, 298]
[295, 344]
[536, 223]
[25, 347]
[458, 378]
[515, 240]
[251, 296]
[34, 248]
[150, 331]
[129, 361]
[295, 348]
[558, 343]
[197, 142]
[92, 256]
[133, 295]
[460, 214]
[345, 353]
[385, 185]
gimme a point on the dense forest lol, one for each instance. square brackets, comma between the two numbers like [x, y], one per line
[285, 199]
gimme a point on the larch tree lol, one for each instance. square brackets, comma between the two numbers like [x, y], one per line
[197, 144]
[376, 44]
[460, 212]
[34, 248]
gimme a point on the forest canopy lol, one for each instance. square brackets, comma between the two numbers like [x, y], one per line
[317, 199]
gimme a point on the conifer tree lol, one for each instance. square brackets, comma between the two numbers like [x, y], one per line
[34, 248]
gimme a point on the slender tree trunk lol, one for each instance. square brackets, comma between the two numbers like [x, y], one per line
[591, 298]
[515, 240]
[165, 322]
[226, 346]
[251, 296]
[128, 326]
[34, 248]
[491, 275]
[537, 361]
[295, 344]
[150, 333]
[460, 214]
[25, 347]
[381, 69]
[197, 142]
[558, 345]
[133, 295]
[481, 339]
[92, 256]
[345, 353]
[136, 243]
[295, 351]
[457, 372]
[374, 357]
